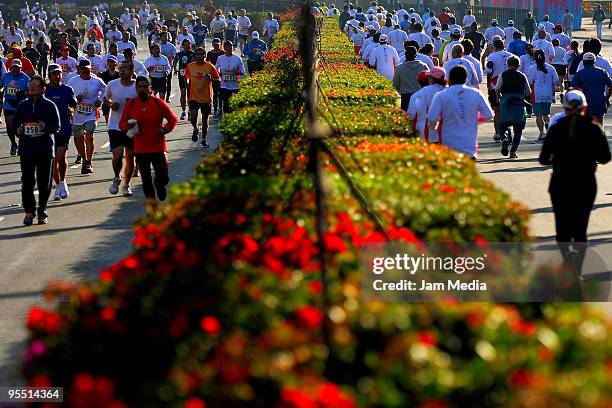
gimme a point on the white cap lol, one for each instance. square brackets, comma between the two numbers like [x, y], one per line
[510, 22]
[496, 38]
[541, 27]
[574, 99]
[494, 22]
[383, 38]
[588, 56]
[456, 31]
[255, 34]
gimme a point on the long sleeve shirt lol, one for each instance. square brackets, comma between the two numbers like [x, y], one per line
[150, 115]
[36, 141]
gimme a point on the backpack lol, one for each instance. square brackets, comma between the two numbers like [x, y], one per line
[573, 67]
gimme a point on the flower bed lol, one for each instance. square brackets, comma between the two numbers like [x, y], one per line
[220, 302]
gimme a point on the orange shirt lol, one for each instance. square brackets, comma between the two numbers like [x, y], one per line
[149, 115]
[200, 88]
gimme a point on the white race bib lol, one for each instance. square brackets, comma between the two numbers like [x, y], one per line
[84, 109]
[32, 129]
[182, 72]
[229, 78]
[11, 91]
[159, 68]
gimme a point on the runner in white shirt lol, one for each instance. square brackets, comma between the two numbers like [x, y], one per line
[367, 54]
[67, 63]
[543, 79]
[385, 58]
[139, 68]
[143, 14]
[88, 91]
[118, 91]
[125, 43]
[468, 19]
[600, 62]
[509, 33]
[112, 50]
[13, 37]
[124, 17]
[271, 27]
[419, 36]
[58, 22]
[113, 35]
[421, 100]
[455, 40]
[468, 46]
[412, 14]
[94, 59]
[231, 70]
[372, 23]
[158, 67]
[527, 60]
[492, 32]
[564, 40]
[457, 59]
[185, 35]
[542, 27]
[357, 38]
[548, 26]
[542, 44]
[244, 26]
[397, 38]
[460, 108]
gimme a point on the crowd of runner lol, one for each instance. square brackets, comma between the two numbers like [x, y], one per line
[437, 65]
[60, 78]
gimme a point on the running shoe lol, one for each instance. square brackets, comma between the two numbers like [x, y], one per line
[127, 190]
[64, 193]
[541, 137]
[513, 155]
[504, 149]
[89, 168]
[183, 115]
[13, 149]
[84, 168]
[114, 188]
[161, 193]
[194, 135]
[79, 160]
[57, 196]
[205, 144]
[43, 218]
[28, 219]
[497, 138]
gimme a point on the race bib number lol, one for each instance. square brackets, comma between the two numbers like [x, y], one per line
[32, 129]
[229, 78]
[182, 72]
[85, 109]
[159, 69]
[11, 91]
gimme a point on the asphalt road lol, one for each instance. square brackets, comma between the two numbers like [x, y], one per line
[87, 232]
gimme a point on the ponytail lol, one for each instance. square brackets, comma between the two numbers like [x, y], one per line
[540, 60]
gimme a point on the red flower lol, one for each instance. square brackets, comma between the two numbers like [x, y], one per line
[84, 382]
[427, 338]
[295, 398]
[475, 319]
[520, 326]
[108, 313]
[520, 378]
[35, 317]
[251, 136]
[194, 402]
[333, 243]
[330, 395]
[210, 325]
[309, 317]
[315, 286]
[106, 275]
[448, 189]
[426, 186]
[545, 353]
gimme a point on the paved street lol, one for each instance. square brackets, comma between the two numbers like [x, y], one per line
[86, 232]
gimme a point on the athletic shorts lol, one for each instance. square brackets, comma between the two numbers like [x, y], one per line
[561, 71]
[182, 82]
[541, 108]
[159, 84]
[79, 130]
[118, 138]
[62, 141]
[204, 107]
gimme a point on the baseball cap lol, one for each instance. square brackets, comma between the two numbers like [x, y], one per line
[574, 99]
[111, 58]
[255, 34]
[216, 41]
[383, 38]
[494, 22]
[84, 63]
[510, 22]
[589, 56]
[54, 68]
[497, 38]
[436, 72]
[422, 75]
[456, 31]
[541, 27]
[16, 63]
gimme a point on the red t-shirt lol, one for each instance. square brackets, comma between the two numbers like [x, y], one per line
[150, 116]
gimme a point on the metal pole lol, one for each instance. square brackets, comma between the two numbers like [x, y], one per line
[313, 134]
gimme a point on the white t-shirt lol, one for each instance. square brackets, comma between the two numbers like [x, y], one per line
[118, 93]
[92, 90]
[543, 83]
[160, 65]
[600, 62]
[468, 20]
[139, 68]
[420, 38]
[545, 46]
[397, 38]
[68, 65]
[104, 60]
[509, 35]
[229, 68]
[244, 23]
[492, 32]
[97, 46]
[113, 36]
[472, 78]
[232, 25]
[181, 37]
[447, 55]
[96, 63]
[121, 46]
[420, 103]
[385, 58]
[499, 59]
[459, 107]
